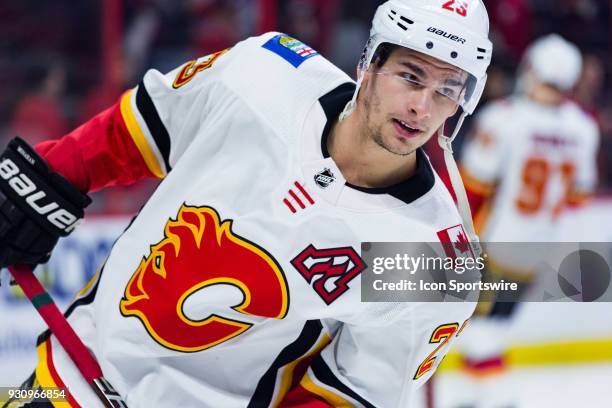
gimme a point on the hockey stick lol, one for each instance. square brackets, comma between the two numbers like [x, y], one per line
[70, 341]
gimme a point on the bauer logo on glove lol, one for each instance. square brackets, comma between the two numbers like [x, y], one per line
[37, 206]
[48, 197]
[36, 198]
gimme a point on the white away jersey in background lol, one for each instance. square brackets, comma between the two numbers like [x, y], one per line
[239, 279]
[536, 159]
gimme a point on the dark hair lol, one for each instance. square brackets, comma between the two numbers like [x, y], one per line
[382, 54]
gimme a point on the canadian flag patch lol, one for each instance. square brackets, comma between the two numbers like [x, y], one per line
[455, 243]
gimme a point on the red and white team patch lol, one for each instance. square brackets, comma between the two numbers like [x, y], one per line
[455, 243]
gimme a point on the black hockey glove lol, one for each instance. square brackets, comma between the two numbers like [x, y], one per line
[37, 206]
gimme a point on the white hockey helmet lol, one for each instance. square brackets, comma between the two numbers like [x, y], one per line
[455, 32]
[554, 61]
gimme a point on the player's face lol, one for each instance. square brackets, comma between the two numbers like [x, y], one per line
[407, 99]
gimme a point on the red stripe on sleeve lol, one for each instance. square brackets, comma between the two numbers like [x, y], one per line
[97, 154]
[303, 191]
[56, 378]
[297, 199]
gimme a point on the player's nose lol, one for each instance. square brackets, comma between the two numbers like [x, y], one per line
[421, 103]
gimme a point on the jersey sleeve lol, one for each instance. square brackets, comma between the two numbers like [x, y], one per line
[586, 164]
[166, 110]
[483, 155]
[142, 135]
[99, 153]
[383, 363]
[482, 159]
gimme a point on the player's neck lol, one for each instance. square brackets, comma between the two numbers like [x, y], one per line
[363, 162]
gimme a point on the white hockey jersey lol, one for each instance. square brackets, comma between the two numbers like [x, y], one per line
[537, 159]
[238, 282]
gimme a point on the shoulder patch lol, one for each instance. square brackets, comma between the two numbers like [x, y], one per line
[291, 50]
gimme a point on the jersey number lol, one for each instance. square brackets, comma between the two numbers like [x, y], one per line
[460, 8]
[535, 177]
[442, 334]
[190, 69]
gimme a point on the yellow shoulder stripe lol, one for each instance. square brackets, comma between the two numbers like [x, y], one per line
[138, 136]
[332, 398]
[287, 375]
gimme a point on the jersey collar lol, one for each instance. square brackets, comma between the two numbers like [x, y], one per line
[407, 191]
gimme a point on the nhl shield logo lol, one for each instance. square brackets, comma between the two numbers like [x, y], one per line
[324, 178]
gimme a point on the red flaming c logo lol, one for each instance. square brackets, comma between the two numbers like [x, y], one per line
[199, 251]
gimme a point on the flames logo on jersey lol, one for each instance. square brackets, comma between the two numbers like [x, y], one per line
[199, 251]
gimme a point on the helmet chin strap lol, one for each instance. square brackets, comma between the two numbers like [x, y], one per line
[364, 64]
[457, 183]
[350, 106]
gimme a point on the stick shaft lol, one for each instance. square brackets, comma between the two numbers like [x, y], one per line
[65, 334]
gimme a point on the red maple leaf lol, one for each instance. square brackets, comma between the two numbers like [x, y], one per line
[462, 245]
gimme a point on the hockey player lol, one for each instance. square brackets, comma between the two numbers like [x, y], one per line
[534, 153]
[235, 284]
[532, 156]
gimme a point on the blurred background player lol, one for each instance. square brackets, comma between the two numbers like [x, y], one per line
[534, 153]
[532, 156]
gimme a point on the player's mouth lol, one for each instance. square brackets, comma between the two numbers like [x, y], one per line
[408, 130]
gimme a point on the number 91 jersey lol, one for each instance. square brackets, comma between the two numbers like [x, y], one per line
[531, 161]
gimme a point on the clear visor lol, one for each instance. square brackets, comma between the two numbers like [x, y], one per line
[454, 91]
[454, 86]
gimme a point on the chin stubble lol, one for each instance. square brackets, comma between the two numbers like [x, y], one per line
[378, 139]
